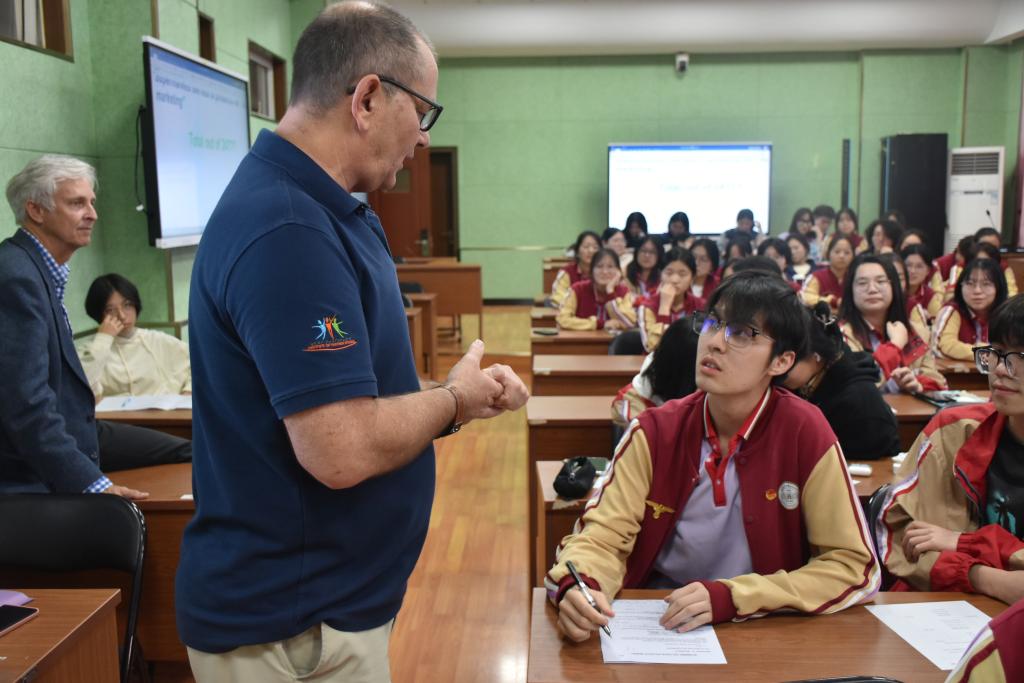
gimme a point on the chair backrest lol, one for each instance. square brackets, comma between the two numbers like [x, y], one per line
[76, 532]
[873, 511]
[628, 343]
[410, 288]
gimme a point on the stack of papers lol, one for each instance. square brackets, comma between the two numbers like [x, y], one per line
[941, 631]
[151, 402]
[638, 638]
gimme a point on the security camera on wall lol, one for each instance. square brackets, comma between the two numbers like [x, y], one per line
[682, 62]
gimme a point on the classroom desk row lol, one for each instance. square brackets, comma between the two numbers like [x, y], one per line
[777, 648]
[457, 285]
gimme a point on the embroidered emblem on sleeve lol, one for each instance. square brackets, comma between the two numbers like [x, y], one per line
[330, 336]
[658, 509]
[789, 495]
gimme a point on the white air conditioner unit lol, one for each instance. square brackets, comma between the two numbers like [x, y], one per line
[975, 195]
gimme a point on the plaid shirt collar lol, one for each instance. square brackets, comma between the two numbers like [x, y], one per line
[59, 273]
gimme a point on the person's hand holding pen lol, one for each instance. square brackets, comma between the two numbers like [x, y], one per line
[577, 619]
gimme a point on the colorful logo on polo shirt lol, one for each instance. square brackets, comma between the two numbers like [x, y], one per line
[330, 336]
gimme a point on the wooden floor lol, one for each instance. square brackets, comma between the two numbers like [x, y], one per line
[466, 614]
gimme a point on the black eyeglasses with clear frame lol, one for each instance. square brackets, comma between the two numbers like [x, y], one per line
[737, 335]
[987, 359]
[427, 118]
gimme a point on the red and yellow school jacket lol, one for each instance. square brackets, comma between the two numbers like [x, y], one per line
[710, 283]
[942, 481]
[823, 285]
[944, 279]
[955, 334]
[644, 288]
[916, 355]
[809, 546]
[652, 326]
[564, 280]
[996, 653]
[927, 299]
[635, 397]
[586, 309]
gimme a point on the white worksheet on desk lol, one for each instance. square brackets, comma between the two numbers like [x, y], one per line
[638, 638]
[146, 402]
[941, 631]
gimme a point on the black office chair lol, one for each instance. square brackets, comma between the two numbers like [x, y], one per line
[74, 533]
[873, 512]
[628, 343]
[410, 288]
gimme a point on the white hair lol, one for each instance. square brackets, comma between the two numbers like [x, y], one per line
[37, 182]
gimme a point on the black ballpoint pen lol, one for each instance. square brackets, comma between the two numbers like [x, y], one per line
[586, 594]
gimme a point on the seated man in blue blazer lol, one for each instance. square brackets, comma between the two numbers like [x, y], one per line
[48, 435]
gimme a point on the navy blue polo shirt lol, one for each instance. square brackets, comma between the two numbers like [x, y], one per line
[294, 304]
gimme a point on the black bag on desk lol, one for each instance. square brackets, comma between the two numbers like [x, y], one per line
[576, 478]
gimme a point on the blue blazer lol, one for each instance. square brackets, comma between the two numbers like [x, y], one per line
[47, 411]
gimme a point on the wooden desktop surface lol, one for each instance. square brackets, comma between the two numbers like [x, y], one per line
[457, 285]
[774, 648]
[543, 316]
[414, 318]
[571, 341]
[73, 638]
[166, 515]
[174, 422]
[961, 374]
[571, 375]
[428, 302]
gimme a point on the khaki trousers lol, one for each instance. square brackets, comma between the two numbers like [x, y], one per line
[319, 655]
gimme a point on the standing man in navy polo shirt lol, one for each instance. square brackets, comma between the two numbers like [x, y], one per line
[313, 465]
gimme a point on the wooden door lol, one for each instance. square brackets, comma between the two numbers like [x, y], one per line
[404, 210]
[444, 222]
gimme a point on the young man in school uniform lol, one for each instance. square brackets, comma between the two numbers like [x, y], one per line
[956, 520]
[736, 497]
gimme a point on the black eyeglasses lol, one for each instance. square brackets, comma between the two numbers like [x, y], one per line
[988, 358]
[737, 335]
[427, 118]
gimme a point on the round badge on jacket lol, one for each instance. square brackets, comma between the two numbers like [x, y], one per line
[789, 495]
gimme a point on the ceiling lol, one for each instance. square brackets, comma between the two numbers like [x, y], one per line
[461, 28]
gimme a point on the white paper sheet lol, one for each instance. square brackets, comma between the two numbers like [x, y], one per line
[149, 402]
[638, 638]
[941, 631]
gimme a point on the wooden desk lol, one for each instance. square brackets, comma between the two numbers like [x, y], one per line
[430, 259]
[566, 375]
[590, 342]
[414, 318]
[961, 374]
[457, 285]
[73, 638]
[174, 422]
[550, 273]
[912, 414]
[556, 516]
[775, 648]
[166, 516]
[428, 302]
[543, 317]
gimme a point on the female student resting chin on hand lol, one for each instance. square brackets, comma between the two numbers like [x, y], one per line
[672, 301]
[590, 304]
[875, 319]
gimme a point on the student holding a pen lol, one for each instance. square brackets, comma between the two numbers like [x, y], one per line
[735, 498]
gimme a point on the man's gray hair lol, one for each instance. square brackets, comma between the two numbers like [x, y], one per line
[350, 40]
[37, 182]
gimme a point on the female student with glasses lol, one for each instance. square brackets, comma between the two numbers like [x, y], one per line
[589, 303]
[735, 497]
[644, 272]
[874, 318]
[963, 323]
[956, 519]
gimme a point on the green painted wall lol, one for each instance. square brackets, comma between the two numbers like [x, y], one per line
[531, 133]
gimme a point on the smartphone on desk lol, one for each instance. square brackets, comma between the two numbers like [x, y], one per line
[13, 616]
[546, 331]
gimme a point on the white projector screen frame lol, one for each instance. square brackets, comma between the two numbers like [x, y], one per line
[711, 182]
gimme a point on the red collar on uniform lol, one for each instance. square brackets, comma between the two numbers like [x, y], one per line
[717, 463]
[973, 458]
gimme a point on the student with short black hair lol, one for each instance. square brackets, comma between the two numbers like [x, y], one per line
[587, 244]
[667, 373]
[823, 217]
[874, 318]
[122, 358]
[963, 323]
[636, 229]
[955, 521]
[883, 236]
[679, 226]
[846, 224]
[946, 268]
[746, 229]
[735, 497]
[826, 283]
[706, 256]
[644, 272]
[917, 262]
[989, 235]
[778, 251]
[672, 301]
[589, 303]
[614, 239]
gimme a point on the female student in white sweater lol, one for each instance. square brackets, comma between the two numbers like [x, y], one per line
[122, 358]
